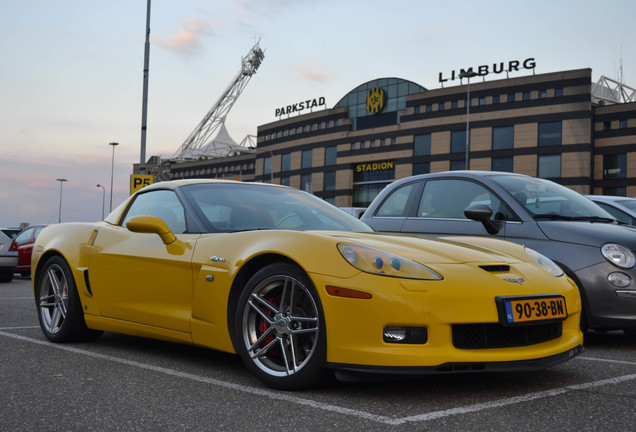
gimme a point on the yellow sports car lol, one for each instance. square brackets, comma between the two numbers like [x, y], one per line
[299, 288]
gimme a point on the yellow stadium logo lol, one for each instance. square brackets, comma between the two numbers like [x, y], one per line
[375, 100]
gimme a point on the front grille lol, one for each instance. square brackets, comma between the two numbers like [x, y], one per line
[483, 336]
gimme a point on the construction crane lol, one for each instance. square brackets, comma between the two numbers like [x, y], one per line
[199, 144]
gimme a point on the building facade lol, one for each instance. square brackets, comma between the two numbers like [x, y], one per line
[544, 125]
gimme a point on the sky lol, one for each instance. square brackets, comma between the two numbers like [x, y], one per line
[71, 73]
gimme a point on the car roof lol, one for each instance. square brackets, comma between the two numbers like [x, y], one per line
[609, 198]
[459, 173]
[174, 184]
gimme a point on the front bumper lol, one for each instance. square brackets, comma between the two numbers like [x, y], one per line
[346, 372]
[355, 327]
[607, 307]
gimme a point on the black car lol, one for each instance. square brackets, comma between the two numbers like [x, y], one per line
[592, 247]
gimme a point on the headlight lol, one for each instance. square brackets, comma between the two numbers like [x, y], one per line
[375, 261]
[544, 262]
[618, 255]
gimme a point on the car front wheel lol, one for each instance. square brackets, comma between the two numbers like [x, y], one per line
[58, 305]
[279, 328]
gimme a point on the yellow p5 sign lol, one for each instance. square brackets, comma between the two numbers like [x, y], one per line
[138, 181]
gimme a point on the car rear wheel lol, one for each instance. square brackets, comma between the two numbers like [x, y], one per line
[279, 328]
[58, 305]
[6, 276]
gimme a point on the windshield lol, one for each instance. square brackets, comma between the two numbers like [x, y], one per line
[546, 199]
[241, 207]
[629, 203]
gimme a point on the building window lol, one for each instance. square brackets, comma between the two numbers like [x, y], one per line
[393, 140]
[482, 101]
[542, 94]
[549, 166]
[614, 166]
[285, 162]
[305, 183]
[421, 168]
[526, 95]
[267, 165]
[615, 191]
[429, 108]
[284, 181]
[417, 109]
[502, 164]
[367, 184]
[558, 92]
[422, 145]
[306, 159]
[503, 137]
[454, 104]
[495, 99]
[511, 97]
[457, 165]
[331, 155]
[441, 106]
[550, 134]
[372, 143]
[607, 125]
[362, 145]
[458, 141]
[622, 124]
[330, 181]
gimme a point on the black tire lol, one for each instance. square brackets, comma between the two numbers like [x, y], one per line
[6, 276]
[279, 328]
[58, 304]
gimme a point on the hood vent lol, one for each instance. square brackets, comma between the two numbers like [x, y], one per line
[501, 268]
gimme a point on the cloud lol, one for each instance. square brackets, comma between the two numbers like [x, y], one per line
[187, 38]
[312, 72]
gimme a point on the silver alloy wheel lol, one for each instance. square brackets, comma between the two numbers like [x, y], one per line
[53, 298]
[280, 325]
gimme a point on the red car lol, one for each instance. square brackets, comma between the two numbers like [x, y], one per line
[23, 243]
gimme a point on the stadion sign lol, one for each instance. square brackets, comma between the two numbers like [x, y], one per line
[301, 106]
[497, 68]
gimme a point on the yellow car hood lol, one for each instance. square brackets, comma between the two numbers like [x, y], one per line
[429, 250]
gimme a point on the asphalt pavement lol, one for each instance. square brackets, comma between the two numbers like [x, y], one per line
[124, 383]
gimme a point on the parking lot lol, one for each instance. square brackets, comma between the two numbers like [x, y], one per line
[127, 383]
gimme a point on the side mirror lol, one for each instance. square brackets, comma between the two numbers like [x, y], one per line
[151, 224]
[482, 213]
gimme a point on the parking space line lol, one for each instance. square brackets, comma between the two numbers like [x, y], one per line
[281, 396]
[19, 328]
[625, 362]
[238, 387]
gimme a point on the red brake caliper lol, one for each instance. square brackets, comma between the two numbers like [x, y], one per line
[263, 325]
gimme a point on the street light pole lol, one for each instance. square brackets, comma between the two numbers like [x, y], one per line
[468, 74]
[103, 199]
[61, 180]
[112, 170]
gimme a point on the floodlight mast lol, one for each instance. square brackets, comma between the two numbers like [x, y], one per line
[200, 136]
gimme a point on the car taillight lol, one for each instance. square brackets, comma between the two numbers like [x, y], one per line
[13, 247]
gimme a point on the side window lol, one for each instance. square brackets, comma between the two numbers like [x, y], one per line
[396, 204]
[163, 204]
[448, 199]
[24, 236]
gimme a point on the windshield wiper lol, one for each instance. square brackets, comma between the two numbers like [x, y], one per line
[554, 216]
[598, 219]
[240, 229]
